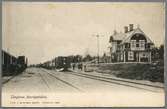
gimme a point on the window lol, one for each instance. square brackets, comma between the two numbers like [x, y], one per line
[126, 45]
[137, 45]
[121, 56]
[133, 44]
[142, 44]
[130, 55]
[148, 46]
[144, 55]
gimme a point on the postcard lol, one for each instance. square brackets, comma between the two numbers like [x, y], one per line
[83, 54]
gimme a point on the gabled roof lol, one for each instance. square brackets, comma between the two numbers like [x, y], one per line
[125, 37]
[117, 36]
[130, 34]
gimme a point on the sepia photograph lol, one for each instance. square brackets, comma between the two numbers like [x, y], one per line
[83, 54]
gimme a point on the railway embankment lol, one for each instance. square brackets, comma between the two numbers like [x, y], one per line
[134, 71]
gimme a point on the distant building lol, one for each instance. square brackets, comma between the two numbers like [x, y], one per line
[131, 46]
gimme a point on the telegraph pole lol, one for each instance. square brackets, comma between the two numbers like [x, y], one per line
[98, 46]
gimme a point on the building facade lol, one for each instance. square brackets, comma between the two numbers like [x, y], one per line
[131, 46]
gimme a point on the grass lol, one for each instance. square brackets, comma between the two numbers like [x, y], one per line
[135, 71]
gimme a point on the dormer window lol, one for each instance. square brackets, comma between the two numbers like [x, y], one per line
[142, 44]
[133, 44]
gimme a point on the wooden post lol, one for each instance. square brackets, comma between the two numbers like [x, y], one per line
[139, 56]
[150, 57]
[124, 56]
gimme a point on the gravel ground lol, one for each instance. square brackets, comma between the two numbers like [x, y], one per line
[36, 80]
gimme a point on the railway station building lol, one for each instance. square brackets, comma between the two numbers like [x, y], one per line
[131, 46]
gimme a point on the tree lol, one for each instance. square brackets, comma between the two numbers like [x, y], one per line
[155, 54]
[161, 52]
[88, 57]
[158, 53]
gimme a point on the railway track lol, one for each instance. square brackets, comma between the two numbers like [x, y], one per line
[103, 79]
[44, 80]
[61, 80]
[117, 81]
[124, 81]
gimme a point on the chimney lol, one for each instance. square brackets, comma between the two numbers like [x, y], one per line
[130, 27]
[126, 29]
[115, 32]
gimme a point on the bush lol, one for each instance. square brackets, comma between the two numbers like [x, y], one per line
[136, 71]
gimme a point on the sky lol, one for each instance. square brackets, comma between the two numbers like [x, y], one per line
[44, 30]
